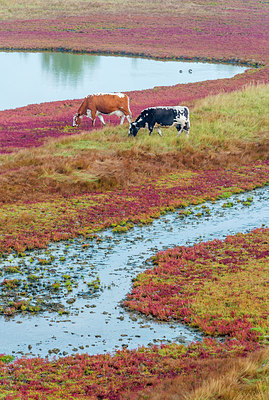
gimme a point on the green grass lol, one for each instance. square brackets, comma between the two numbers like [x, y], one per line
[226, 129]
[241, 115]
[221, 122]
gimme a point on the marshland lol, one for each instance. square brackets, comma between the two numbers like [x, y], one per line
[129, 263]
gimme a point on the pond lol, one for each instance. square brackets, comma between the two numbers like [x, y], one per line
[96, 322]
[32, 77]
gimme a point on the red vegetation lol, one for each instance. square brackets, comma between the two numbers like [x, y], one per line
[236, 34]
[30, 126]
[35, 224]
[187, 282]
[114, 376]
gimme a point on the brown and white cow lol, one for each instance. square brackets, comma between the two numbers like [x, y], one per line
[95, 105]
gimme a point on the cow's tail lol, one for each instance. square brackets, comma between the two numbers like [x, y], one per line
[128, 100]
[128, 106]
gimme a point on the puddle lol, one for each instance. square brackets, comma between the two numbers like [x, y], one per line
[83, 312]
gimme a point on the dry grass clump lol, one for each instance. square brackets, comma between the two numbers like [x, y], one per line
[221, 379]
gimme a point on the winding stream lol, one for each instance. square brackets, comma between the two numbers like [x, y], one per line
[97, 322]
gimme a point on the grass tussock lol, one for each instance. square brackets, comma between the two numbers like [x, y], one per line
[226, 129]
[221, 379]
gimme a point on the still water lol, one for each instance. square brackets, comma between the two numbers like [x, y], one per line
[31, 78]
[99, 323]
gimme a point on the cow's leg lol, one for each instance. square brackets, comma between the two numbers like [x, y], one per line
[122, 119]
[158, 130]
[100, 116]
[93, 118]
[127, 114]
[179, 129]
[187, 128]
[92, 115]
[129, 118]
[89, 115]
[150, 128]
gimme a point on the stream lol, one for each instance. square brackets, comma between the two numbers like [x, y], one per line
[95, 276]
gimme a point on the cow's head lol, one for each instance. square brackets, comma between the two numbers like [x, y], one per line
[133, 129]
[77, 119]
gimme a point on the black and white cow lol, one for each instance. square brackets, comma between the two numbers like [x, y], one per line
[155, 117]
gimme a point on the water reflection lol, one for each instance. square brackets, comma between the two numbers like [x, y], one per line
[68, 68]
[30, 78]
